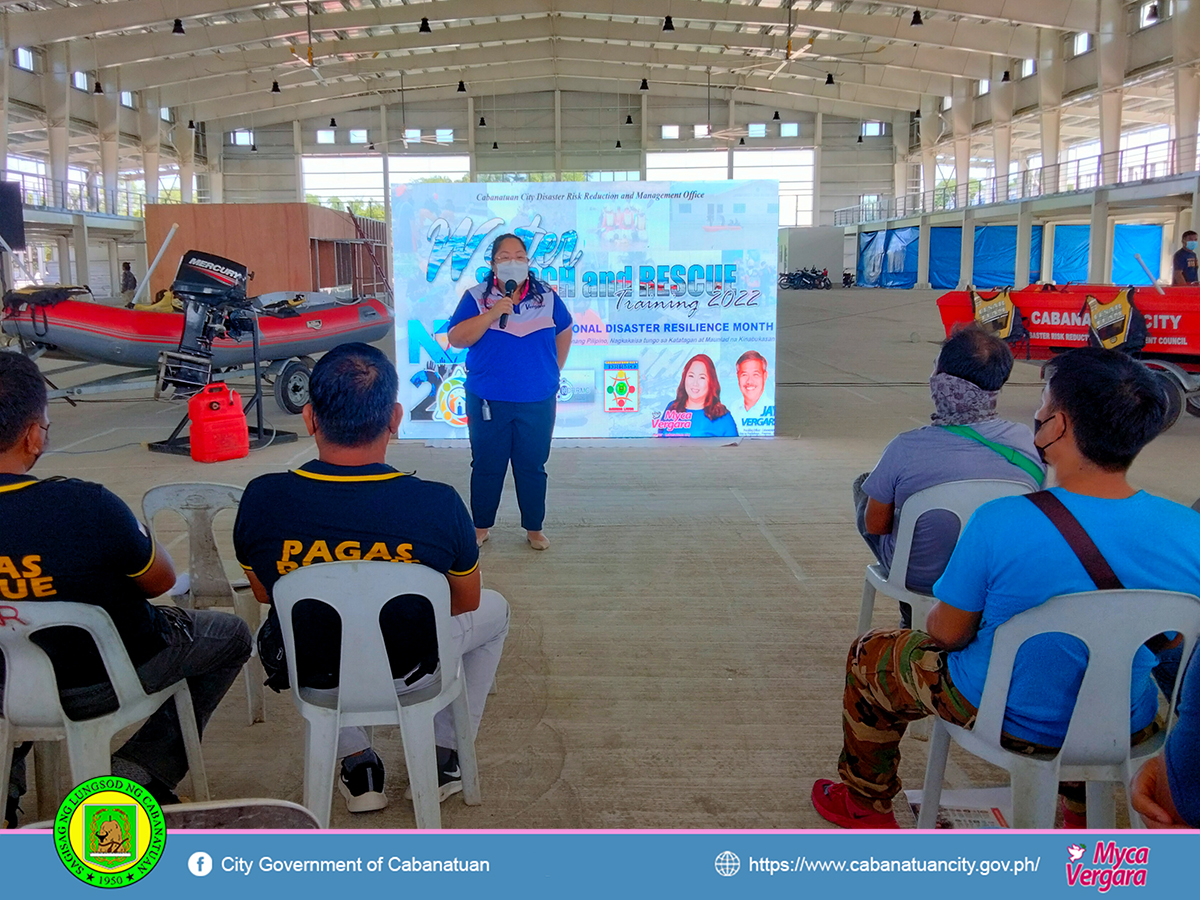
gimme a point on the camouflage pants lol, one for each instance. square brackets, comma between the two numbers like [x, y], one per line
[893, 677]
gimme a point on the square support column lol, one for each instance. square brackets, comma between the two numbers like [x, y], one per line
[924, 237]
[114, 268]
[966, 259]
[79, 234]
[1098, 265]
[1024, 245]
[1195, 206]
[1047, 252]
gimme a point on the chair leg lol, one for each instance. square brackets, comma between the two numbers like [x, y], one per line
[867, 609]
[467, 760]
[89, 750]
[420, 756]
[249, 611]
[256, 691]
[935, 773]
[320, 758]
[1101, 805]
[191, 741]
[1034, 793]
[47, 773]
[6, 758]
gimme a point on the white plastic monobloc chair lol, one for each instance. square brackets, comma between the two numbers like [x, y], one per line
[961, 498]
[367, 694]
[32, 710]
[198, 504]
[1113, 624]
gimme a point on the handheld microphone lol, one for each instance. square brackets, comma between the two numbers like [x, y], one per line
[510, 288]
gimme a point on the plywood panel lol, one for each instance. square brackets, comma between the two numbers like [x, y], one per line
[271, 239]
[330, 224]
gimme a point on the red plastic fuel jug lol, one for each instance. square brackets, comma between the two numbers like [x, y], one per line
[218, 424]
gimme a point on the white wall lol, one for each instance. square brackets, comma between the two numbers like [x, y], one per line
[849, 169]
[268, 176]
[820, 247]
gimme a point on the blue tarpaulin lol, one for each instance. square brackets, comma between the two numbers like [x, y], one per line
[889, 258]
[870, 258]
[900, 258]
[1145, 240]
[945, 252]
[1070, 253]
[996, 255]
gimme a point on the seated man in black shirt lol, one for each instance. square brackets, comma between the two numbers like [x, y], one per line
[65, 539]
[1185, 271]
[349, 504]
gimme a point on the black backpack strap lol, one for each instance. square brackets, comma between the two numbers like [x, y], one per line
[1084, 547]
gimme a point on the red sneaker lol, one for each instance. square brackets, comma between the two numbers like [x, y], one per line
[832, 801]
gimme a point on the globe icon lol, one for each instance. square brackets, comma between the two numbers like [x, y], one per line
[727, 863]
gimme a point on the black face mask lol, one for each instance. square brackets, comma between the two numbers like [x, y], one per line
[1037, 426]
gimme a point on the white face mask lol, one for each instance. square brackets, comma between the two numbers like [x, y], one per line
[512, 270]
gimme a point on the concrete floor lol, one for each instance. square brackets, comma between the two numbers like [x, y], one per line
[676, 658]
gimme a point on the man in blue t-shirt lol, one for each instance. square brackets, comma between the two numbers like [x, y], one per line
[1099, 408]
[1167, 789]
[349, 504]
[1184, 268]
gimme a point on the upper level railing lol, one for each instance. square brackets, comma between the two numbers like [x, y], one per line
[42, 192]
[1120, 167]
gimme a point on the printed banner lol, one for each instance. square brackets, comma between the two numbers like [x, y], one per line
[299, 865]
[671, 285]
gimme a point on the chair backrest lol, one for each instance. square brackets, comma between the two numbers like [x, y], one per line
[198, 503]
[358, 591]
[961, 498]
[31, 690]
[1113, 625]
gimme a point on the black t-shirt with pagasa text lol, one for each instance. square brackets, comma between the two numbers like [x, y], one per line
[325, 513]
[66, 539]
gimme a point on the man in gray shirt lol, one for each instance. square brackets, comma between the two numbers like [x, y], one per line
[971, 368]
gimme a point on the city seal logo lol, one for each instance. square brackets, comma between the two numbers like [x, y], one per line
[109, 832]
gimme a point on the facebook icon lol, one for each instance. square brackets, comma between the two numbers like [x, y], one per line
[200, 864]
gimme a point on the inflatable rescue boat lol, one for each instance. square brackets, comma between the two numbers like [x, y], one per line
[290, 325]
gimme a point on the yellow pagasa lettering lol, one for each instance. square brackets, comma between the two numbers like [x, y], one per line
[17, 585]
[319, 550]
[378, 551]
[18, 592]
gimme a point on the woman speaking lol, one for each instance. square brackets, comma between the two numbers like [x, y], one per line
[519, 334]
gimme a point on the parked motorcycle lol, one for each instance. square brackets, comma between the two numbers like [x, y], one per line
[808, 279]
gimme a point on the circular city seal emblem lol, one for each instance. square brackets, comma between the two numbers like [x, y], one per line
[109, 832]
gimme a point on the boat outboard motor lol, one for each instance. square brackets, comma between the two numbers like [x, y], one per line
[213, 291]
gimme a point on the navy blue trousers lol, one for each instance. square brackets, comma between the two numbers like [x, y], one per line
[518, 433]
